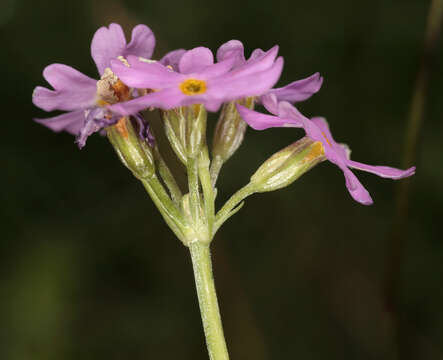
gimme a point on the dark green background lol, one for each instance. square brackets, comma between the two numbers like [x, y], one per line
[88, 269]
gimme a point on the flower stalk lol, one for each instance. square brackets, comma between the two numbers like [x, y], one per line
[207, 299]
[183, 85]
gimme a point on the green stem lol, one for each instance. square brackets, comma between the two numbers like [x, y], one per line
[207, 299]
[167, 208]
[167, 177]
[208, 191]
[226, 211]
[194, 191]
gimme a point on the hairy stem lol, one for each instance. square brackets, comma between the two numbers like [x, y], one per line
[167, 208]
[167, 177]
[208, 190]
[207, 299]
[225, 212]
[194, 191]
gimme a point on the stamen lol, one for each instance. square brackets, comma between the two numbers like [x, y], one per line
[121, 90]
[102, 103]
[193, 87]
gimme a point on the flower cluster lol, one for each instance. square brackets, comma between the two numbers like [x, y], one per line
[130, 82]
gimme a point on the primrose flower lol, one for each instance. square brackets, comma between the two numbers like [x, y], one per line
[296, 91]
[318, 130]
[85, 98]
[196, 80]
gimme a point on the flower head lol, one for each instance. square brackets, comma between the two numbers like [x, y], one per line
[83, 97]
[318, 130]
[296, 91]
[196, 80]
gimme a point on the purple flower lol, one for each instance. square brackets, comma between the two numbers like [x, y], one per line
[172, 58]
[296, 91]
[339, 154]
[83, 97]
[197, 80]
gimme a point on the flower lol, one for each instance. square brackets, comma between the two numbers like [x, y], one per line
[197, 80]
[318, 130]
[296, 91]
[84, 98]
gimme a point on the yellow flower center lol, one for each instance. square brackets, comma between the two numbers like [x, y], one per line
[193, 87]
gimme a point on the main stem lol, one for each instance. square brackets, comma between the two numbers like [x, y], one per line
[207, 299]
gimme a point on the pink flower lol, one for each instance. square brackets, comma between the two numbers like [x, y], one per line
[296, 91]
[196, 80]
[317, 129]
[79, 94]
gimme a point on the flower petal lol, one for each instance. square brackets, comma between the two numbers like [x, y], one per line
[354, 186]
[286, 109]
[212, 104]
[382, 171]
[260, 63]
[217, 69]
[323, 125]
[94, 122]
[73, 90]
[260, 121]
[164, 99]
[282, 108]
[142, 42]
[107, 44]
[172, 58]
[195, 60]
[145, 75]
[270, 102]
[144, 129]
[299, 90]
[232, 49]
[70, 122]
[256, 54]
[231, 87]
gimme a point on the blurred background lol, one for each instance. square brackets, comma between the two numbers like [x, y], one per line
[89, 270]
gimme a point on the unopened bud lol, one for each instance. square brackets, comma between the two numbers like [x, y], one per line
[196, 119]
[185, 128]
[133, 151]
[230, 129]
[287, 165]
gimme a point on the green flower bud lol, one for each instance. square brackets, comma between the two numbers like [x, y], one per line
[175, 130]
[134, 152]
[196, 122]
[185, 128]
[287, 165]
[230, 130]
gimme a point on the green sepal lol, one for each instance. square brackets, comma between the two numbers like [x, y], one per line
[287, 165]
[185, 128]
[134, 152]
[230, 129]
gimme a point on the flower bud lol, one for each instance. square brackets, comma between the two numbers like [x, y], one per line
[287, 165]
[175, 130]
[185, 128]
[230, 129]
[196, 122]
[133, 151]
